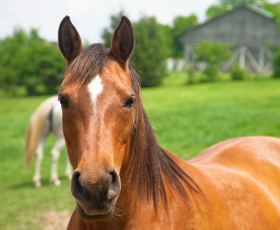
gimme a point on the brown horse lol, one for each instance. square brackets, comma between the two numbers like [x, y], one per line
[124, 180]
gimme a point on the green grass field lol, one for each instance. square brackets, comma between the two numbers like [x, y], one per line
[188, 118]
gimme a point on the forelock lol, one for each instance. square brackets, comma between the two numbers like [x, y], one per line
[89, 63]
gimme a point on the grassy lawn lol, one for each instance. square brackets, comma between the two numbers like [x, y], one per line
[188, 118]
[21, 204]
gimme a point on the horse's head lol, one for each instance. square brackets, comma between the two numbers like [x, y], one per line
[97, 100]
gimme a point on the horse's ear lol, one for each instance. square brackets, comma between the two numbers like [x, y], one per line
[123, 42]
[69, 41]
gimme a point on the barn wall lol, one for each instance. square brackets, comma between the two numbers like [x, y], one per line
[246, 30]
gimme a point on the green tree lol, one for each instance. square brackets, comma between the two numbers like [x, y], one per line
[180, 25]
[12, 51]
[151, 50]
[167, 33]
[237, 73]
[213, 55]
[43, 65]
[27, 59]
[227, 5]
[107, 32]
[275, 9]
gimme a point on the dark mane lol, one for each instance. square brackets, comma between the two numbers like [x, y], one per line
[148, 169]
[89, 63]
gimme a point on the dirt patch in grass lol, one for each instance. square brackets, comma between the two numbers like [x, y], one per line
[54, 220]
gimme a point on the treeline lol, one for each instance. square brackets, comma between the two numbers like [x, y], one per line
[28, 61]
[151, 51]
[155, 43]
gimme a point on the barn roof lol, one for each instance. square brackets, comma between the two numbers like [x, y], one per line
[259, 10]
[252, 8]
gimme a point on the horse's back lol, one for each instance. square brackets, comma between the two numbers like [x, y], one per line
[242, 150]
[243, 177]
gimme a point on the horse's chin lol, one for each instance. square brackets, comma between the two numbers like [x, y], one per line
[94, 217]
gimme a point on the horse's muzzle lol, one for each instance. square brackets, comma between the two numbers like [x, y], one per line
[96, 200]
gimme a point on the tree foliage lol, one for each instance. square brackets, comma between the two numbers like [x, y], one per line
[167, 33]
[276, 61]
[28, 60]
[213, 55]
[227, 5]
[151, 50]
[180, 25]
[43, 64]
[11, 52]
[237, 73]
[275, 9]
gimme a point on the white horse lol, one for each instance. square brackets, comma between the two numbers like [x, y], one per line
[47, 118]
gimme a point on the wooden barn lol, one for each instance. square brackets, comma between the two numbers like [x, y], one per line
[250, 30]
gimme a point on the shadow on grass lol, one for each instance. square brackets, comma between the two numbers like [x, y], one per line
[29, 184]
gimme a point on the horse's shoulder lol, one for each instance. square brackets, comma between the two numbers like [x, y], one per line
[241, 169]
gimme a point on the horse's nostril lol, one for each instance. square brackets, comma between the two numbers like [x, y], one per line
[76, 175]
[115, 185]
[76, 185]
[113, 176]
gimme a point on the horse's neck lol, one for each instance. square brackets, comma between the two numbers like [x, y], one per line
[133, 211]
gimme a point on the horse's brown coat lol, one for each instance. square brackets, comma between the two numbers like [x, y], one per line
[232, 185]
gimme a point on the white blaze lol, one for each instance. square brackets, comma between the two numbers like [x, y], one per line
[95, 87]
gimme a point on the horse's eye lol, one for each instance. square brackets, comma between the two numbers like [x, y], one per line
[129, 102]
[63, 102]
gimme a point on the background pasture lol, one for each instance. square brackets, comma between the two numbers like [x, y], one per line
[188, 119]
